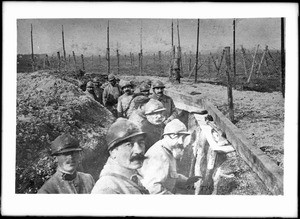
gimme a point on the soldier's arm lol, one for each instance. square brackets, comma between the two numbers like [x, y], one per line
[104, 97]
[174, 112]
[119, 108]
[155, 172]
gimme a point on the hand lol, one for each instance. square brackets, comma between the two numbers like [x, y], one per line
[192, 180]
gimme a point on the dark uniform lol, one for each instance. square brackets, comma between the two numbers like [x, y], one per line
[63, 182]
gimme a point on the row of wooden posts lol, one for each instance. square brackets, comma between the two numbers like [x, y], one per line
[226, 51]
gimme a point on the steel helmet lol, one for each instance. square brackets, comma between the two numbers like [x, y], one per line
[122, 129]
[154, 106]
[157, 84]
[149, 82]
[111, 77]
[140, 100]
[175, 127]
[89, 84]
[96, 80]
[144, 87]
[125, 84]
[64, 143]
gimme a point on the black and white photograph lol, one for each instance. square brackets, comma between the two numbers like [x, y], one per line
[150, 109]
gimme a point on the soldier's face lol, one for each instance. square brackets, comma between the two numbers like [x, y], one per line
[159, 91]
[156, 118]
[96, 84]
[177, 145]
[130, 154]
[127, 90]
[90, 89]
[145, 93]
[68, 161]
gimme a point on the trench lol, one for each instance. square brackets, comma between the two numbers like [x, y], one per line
[254, 173]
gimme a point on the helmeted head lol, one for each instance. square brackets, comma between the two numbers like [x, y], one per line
[126, 86]
[97, 82]
[82, 85]
[126, 143]
[145, 89]
[66, 148]
[154, 110]
[112, 79]
[90, 86]
[149, 82]
[174, 134]
[158, 88]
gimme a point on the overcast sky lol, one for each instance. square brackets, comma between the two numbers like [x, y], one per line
[89, 36]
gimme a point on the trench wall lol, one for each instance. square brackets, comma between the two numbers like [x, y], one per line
[261, 164]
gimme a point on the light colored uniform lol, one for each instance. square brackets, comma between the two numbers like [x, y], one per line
[111, 95]
[159, 170]
[62, 183]
[171, 112]
[123, 104]
[154, 132]
[115, 179]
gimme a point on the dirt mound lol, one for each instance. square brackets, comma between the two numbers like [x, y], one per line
[47, 106]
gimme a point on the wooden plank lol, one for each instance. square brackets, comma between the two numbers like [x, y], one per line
[261, 164]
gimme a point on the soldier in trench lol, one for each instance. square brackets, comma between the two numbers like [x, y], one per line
[111, 94]
[125, 99]
[67, 180]
[159, 170]
[126, 146]
[97, 89]
[150, 120]
[158, 94]
[90, 90]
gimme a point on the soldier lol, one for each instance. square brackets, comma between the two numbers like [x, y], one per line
[176, 69]
[159, 170]
[126, 146]
[111, 94]
[67, 179]
[90, 90]
[125, 99]
[158, 94]
[150, 120]
[97, 89]
[82, 85]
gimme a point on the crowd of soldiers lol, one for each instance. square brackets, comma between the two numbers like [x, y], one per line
[144, 144]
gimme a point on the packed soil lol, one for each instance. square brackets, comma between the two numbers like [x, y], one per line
[49, 104]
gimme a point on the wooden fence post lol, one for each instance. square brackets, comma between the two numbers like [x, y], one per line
[229, 85]
[244, 59]
[82, 60]
[58, 57]
[253, 63]
[74, 57]
[118, 61]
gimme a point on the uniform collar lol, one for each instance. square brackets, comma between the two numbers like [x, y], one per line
[67, 176]
[113, 167]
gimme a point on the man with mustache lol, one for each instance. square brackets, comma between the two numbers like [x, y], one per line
[90, 90]
[126, 147]
[159, 170]
[125, 99]
[150, 120]
[67, 180]
[158, 94]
